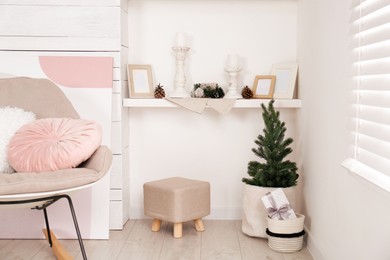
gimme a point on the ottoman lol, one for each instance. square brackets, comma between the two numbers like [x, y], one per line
[177, 200]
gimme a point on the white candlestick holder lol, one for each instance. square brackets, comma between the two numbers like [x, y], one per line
[232, 83]
[180, 77]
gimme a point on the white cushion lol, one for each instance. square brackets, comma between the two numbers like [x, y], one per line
[11, 119]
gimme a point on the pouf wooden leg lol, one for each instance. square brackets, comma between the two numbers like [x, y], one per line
[199, 224]
[177, 230]
[156, 225]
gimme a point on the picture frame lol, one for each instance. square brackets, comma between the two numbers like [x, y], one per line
[264, 86]
[140, 81]
[286, 77]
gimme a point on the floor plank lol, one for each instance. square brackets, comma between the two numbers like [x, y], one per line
[219, 240]
[142, 243]
[222, 239]
[186, 248]
[254, 248]
[301, 255]
[107, 249]
[23, 249]
[3, 243]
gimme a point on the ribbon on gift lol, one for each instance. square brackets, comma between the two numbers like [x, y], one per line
[281, 212]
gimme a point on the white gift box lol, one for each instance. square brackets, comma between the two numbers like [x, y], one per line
[277, 205]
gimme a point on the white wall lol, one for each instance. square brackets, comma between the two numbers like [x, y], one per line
[260, 32]
[347, 218]
[168, 142]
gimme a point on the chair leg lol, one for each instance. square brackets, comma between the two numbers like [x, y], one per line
[47, 202]
[76, 227]
[47, 227]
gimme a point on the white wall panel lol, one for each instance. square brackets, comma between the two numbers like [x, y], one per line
[116, 87]
[116, 172]
[116, 144]
[52, 27]
[116, 219]
[63, 2]
[116, 112]
[115, 195]
[59, 21]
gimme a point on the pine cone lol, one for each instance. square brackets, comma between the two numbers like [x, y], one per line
[159, 91]
[247, 93]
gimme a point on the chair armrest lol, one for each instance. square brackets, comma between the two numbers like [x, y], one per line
[100, 161]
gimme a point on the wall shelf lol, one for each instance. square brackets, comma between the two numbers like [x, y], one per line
[240, 103]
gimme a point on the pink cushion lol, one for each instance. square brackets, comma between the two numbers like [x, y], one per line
[51, 144]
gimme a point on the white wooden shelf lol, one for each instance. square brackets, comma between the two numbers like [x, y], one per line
[240, 103]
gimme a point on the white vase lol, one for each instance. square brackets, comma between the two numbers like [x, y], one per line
[254, 220]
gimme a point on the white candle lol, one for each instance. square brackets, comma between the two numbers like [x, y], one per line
[181, 39]
[232, 61]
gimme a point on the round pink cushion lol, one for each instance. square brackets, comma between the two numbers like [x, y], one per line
[51, 144]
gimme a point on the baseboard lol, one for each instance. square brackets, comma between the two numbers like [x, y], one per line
[312, 246]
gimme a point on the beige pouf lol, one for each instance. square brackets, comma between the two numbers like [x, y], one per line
[177, 200]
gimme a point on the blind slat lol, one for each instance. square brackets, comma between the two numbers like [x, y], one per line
[366, 7]
[372, 37]
[379, 99]
[376, 131]
[375, 67]
[377, 115]
[377, 50]
[371, 24]
[375, 146]
[375, 82]
[373, 160]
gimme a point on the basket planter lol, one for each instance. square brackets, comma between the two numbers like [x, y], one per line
[254, 220]
[286, 236]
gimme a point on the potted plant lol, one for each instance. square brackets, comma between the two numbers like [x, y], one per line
[273, 171]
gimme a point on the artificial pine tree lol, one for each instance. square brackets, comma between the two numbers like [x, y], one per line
[273, 148]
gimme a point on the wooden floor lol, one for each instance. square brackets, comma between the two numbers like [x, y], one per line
[222, 239]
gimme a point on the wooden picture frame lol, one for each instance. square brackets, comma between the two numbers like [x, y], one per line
[264, 86]
[286, 77]
[140, 81]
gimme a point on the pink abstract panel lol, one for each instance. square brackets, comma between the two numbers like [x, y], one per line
[78, 72]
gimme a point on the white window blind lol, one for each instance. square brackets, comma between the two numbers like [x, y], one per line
[370, 142]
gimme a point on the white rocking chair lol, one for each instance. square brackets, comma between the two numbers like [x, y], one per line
[40, 190]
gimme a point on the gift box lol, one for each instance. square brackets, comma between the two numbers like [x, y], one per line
[277, 205]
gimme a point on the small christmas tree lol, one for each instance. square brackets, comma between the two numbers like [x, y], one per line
[275, 171]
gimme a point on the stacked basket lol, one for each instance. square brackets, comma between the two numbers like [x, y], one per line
[286, 235]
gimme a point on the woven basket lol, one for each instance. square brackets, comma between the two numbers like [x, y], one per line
[285, 244]
[286, 236]
[286, 226]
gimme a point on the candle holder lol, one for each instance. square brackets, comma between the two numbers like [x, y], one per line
[232, 86]
[180, 77]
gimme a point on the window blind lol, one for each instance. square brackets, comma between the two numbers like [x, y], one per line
[370, 132]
